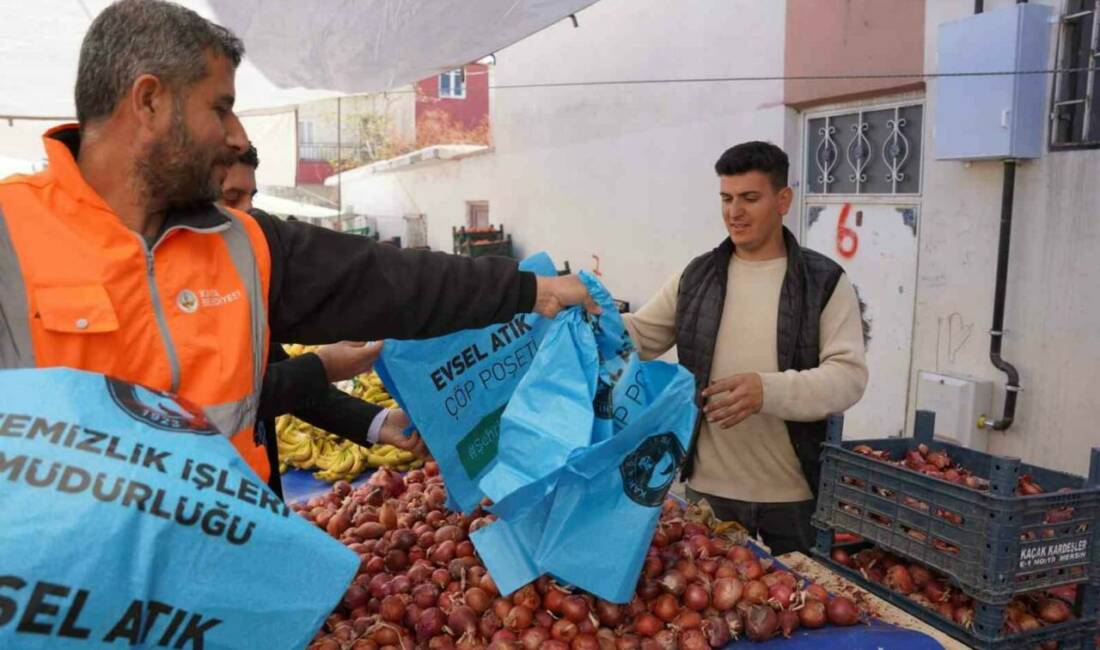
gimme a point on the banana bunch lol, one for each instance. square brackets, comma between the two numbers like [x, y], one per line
[297, 349]
[369, 387]
[304, 446]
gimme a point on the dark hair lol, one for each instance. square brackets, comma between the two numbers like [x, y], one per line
[755, 156]
[251, 157]
[135, 37]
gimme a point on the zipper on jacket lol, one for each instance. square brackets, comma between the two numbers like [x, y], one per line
[162, 321]
[158, 307]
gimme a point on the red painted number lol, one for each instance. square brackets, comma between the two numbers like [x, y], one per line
[847, 240]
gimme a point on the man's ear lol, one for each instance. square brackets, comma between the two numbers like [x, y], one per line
[150, 101]
[786, 197]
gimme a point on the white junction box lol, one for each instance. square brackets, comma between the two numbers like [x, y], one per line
[958, 401]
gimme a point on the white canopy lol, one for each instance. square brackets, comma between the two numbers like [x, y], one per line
[286, 207]
[297, 50]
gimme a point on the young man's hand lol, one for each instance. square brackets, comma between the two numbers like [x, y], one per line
[557, 293]
[348, 359]
[732, 399]
[393, 433]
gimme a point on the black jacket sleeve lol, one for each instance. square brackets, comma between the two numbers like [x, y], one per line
[346, 416]
[328, 286]
[290, 384]
[300, 387]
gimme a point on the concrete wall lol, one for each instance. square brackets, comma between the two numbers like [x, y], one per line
[625, 172]
[1053, 299]
[437, 190]
[851, 37]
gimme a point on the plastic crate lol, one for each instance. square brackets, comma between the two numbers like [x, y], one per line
[1077, 634]
[462, 237]
[994, 545]
[483, 248]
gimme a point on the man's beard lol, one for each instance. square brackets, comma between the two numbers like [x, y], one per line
[176, 173]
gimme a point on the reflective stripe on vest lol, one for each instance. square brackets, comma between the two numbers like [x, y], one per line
[238, 418]
[16, 349]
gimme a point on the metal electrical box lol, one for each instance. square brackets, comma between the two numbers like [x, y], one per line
[958, 402]
[994, 116]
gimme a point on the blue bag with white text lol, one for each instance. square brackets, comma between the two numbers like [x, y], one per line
[127, 519]
[589, 445]
[456, 387]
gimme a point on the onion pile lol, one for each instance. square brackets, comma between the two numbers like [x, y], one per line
[1025, 613]
[421, 584]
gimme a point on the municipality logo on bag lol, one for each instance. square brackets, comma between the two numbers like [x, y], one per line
[158, 409]
[650, 470]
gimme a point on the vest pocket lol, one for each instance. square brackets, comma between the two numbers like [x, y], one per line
[83, 309]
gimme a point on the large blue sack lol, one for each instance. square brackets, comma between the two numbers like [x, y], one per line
[125, 519]
[590, 443]
[455, 388]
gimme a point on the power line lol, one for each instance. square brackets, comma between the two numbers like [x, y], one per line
[837, 77]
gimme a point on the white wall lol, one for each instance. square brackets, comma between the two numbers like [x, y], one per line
[1053, 298]
[437, 190]
[626, 172]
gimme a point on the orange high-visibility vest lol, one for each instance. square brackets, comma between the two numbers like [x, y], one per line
[187, 315]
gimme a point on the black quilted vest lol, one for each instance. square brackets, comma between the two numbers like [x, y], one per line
[807, 286]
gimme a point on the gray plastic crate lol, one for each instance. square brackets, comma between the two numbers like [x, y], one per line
[993, 543]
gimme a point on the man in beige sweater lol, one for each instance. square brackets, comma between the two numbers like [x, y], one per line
[773, 334]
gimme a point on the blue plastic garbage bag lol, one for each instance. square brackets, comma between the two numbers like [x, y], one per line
[581, 484]
[572, 396]
[126, 519]
[455, 388]
[608, 497]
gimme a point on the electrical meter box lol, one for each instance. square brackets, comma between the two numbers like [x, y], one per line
[958, 401]
[995, 116]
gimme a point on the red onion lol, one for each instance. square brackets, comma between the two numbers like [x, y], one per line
[666, 607]
[735, 623]
[761, 623]
[585, 642]
[489, 624]
[563, 630]
[842, 611]
[609, 614]
[430, 623]
[462, 620]
[688, 620]
[718, 633]
[898, 579]
[532, 638]
[393, 609]
[674, 582]
[1053, 610]
[528, 597]
[725, 593]
[667, 640]
[755, 592]
[693, 640]
[425, 595]
[812, 614]
[752, 570]
[574, 608]
[477, 600]
[647, 625]
[815, 591]
[519, 618]
[696, 597]
[789, 621]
